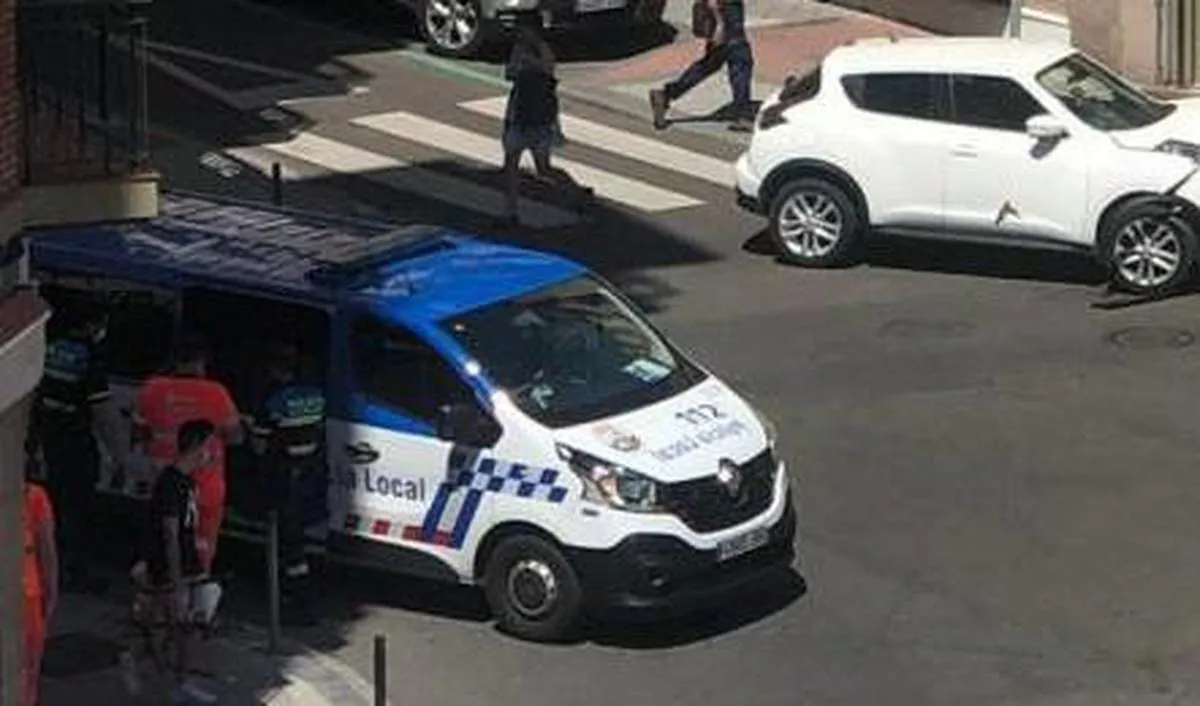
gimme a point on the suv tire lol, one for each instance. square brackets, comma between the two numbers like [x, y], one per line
[441, 23]
[815, 223]
[533, 591]
[1150, 248]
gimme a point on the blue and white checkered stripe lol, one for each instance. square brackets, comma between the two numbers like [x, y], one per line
[495, 476]
[457, 502]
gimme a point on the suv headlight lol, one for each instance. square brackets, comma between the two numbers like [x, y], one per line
[612, 484]
[1181, 148]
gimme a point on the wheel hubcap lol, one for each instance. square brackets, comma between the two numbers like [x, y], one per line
[1148, 252]
[532, 588]
[810, 224]
[452, 24]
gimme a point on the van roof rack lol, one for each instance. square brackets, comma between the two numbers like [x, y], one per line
[349, 264]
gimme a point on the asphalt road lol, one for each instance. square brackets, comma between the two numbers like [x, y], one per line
[997, 482]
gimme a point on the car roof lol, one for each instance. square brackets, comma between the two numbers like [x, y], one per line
[983, 55]
[411, 272]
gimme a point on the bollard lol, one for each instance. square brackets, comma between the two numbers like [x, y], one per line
[277, 183]
[273, 581]
[380, 670]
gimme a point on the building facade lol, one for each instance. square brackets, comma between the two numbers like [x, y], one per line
[74, 148]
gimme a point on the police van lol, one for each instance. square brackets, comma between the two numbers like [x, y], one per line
[497, 416]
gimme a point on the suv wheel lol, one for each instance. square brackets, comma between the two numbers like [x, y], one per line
[533, 591]
[454, 28]
[1151, 250]
[815, 223]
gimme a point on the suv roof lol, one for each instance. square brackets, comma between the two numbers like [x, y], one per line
[989, 55]
[416, 272]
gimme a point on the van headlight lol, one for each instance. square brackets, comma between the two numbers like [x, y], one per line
[610, 483]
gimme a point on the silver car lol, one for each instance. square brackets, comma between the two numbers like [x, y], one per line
[461, 28]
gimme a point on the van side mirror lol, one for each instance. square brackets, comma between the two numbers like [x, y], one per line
[464, 423]
[1045, 127]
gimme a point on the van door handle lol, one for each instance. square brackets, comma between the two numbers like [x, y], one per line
[966, 150]
[362, 453]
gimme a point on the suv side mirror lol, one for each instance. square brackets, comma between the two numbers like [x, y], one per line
[1045, 127]
[464, 423]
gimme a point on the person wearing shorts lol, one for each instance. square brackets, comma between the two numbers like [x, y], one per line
[531, 120]
[40, 579]
[186, 393]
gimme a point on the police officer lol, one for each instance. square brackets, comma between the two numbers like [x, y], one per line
[288, 434]
[73, 402]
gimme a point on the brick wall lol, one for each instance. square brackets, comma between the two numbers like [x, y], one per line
[10, 108]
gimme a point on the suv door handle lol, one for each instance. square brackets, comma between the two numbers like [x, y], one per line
[966, 150]
[362, 453]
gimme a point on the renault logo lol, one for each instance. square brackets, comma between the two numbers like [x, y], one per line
[730, 476]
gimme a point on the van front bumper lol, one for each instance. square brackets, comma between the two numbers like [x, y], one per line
[660, 574]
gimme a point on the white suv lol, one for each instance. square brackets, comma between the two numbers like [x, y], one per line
[979, 139]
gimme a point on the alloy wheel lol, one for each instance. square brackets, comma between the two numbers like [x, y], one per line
[451, 24]
[1148, 252]
[810, 224]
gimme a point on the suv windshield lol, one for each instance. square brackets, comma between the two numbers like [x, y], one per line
[1098, 97]
[572, 353]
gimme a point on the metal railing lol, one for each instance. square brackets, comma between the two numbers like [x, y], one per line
[83, 86]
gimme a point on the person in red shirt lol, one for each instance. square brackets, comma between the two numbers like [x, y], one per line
[164, 403]
[40, 578]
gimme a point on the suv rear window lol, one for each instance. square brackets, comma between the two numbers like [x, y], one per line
[907, 95]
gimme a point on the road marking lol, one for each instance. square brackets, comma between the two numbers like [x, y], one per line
[487, 150]
[341, 158]
[626, 144]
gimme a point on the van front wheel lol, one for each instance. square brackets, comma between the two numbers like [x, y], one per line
[533, 591]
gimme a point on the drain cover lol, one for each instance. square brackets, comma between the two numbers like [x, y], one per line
[1145, 338]
[77, 653]
[925, 328]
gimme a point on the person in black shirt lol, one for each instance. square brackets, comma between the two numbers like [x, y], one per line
[172, 557]
[73, 400]
[727, 44]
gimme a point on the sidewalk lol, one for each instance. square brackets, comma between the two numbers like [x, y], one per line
[80, 665]
[788, 37]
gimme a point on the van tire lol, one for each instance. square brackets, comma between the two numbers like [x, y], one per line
[533, 591]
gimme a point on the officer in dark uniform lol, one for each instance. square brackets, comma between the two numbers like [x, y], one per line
[288, 428]
[73, 400]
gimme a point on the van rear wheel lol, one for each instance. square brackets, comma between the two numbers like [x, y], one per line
[533, 591]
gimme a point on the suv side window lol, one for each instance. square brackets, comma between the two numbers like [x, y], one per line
[992, 102]
[905, 95]
[395, 368]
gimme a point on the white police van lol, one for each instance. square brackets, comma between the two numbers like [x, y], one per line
[498, 416]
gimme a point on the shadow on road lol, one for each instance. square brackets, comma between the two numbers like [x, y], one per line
[778, 590]
[965, 259]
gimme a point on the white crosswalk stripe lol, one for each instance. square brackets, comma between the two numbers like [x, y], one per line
[626, 144]
[486, 149]
[342, 158]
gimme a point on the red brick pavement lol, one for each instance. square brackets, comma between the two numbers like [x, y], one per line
[778, 50]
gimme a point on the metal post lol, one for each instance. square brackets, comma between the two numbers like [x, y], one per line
[273, 581]
[380, 670]
[1013, 25]
[139, 125]
[277, 183]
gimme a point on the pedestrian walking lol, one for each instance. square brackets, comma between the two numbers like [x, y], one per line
[40, 579]
[722, 25]
[74, 408]
[531, 120]
[164, 403]
[288, 439]
[172, 558]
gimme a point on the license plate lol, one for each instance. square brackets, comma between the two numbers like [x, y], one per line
[739, 545]
[598, 5]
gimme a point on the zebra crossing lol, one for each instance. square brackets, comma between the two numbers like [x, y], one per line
[375, 147]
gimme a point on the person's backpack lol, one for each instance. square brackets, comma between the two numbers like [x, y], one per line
[704, 20]
[536, 95]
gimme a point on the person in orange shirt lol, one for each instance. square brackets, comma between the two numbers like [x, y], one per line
[40, 578]
[164, 403]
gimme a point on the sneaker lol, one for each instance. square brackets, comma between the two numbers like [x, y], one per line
[189, 693]
[742, 125]
[659, 104]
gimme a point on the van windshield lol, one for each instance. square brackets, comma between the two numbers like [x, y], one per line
[573, 353]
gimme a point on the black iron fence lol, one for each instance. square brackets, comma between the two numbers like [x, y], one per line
[83, 85]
